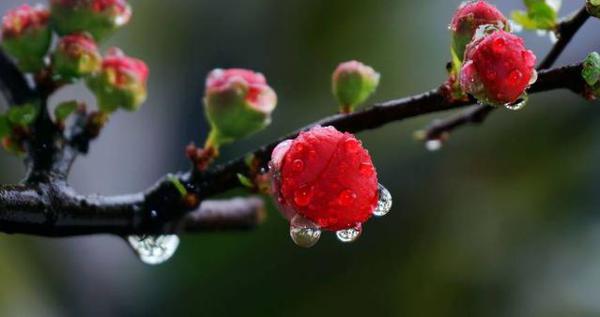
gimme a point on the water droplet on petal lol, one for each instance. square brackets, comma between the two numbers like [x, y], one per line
[352, 145]
[534, 77]
[154, 249]
[350, 234]
[515, 75]
[303, 196]
[297, 165]
[384, 204]
[303, 232]
[366, 169]
[346, 197]
[433, 145]
[498, 44]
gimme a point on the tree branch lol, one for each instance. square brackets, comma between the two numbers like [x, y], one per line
[45, 205]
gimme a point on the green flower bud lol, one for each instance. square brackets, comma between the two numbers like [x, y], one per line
[100, 18]
[76, 56]
[238, 102]
[121, 82]
[26, 36]
[352, 83]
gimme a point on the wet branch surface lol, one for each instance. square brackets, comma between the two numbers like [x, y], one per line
[44, 204]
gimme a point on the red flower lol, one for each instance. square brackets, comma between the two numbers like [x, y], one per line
[23, 19]
[498, 68]
[326, 177]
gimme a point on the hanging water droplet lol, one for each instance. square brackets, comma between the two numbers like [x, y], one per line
[154, 249]
[433, 145]
[553, 37]
[519, 104]
[303, 196]
[303, 232]
[350, 234]
[384, 204]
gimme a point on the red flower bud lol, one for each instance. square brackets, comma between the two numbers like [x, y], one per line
[76, 55]
[97, 17]
[26, 35]
[238, 102]
[468, 18]
[498, 68]
[327, 178]
[121, 82]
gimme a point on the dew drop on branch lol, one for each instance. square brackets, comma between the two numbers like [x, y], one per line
[384, 204]
[303, 232]
[350, 234]
[154, 250]
[433, 145]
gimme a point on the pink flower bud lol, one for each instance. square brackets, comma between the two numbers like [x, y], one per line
[97, 17]
[26, 35]
[238, 102]
[352, 83]
[76, 55]
[121, 82]
[498, 68]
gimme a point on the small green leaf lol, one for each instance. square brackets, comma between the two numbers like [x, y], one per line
[5, 128]
[22, 115]
[178, 185]
[245, 181]
[591, 68]
[540, 15]
[65, 109]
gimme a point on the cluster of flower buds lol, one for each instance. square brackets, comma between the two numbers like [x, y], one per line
[325, 180]
[26, 36]
[468, 18]
[100, 18]
[489, 63]
[118, 81]
[238, 102]
[352, 83]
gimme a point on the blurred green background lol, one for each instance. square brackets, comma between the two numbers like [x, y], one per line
[503, 221]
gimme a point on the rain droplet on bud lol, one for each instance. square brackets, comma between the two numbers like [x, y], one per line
[154, 250]
[433, 145]
[519, 104]
[384, 204]
[303, 232]
[350, 234]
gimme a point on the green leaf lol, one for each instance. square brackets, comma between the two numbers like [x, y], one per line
[65, 109]
[5, 128]
[245, 181]
[591, 68]
[177, 183]
[539, 15]
[22, 115]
